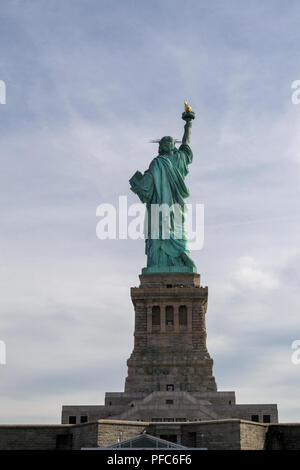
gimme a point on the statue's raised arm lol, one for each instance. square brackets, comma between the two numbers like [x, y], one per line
[187, 116]
[163, 185]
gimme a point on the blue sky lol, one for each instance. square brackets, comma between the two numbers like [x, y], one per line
[89, 83]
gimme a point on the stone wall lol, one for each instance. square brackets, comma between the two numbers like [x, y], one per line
[231, 434]
[30, 437]
[252, 436]
[85, 435]
[109, 431]
[283, 437]
[48, 437]
[213, 435]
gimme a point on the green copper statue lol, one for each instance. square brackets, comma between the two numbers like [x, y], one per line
[163, 185]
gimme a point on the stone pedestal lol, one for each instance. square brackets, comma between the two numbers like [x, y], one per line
[170, 377]
[170, 350]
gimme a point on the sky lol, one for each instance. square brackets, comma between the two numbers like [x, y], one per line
[88, 84]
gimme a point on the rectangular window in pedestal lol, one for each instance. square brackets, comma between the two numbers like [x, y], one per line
[156, 315]
[169, 315]
[182, 315]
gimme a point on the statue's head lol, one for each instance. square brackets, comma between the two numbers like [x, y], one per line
[166, 145]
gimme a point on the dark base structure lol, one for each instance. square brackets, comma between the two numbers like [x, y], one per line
[228, 434]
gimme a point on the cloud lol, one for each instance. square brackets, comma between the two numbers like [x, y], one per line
[250, 276]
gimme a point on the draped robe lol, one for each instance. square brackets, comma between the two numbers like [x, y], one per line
[163, 183]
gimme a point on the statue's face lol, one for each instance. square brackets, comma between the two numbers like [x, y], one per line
[166, 145]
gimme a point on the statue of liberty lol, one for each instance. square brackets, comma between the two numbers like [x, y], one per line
[162, 186]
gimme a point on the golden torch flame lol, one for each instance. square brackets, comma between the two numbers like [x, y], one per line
[187, 107]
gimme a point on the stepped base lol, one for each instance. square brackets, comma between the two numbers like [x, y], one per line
[171, 407]
[168, 269]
